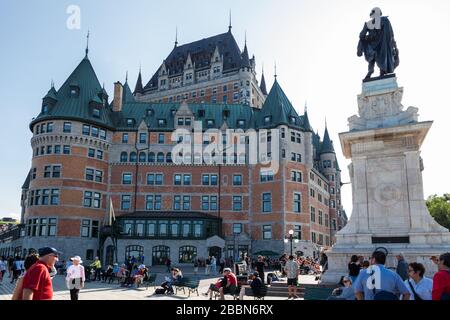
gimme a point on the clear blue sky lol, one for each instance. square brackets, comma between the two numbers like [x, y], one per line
[313, 42]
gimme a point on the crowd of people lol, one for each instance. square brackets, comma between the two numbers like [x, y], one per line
[33, 276]
[407, 282]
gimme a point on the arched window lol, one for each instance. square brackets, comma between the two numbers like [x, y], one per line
[187, 254]
[142, 157]
[169, 157]
[160, 254]
[135, 251]
[124, 157]
[133, 157]
[160, 157]
[151, 157]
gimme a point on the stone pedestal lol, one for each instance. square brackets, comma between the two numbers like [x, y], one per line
[386, 174]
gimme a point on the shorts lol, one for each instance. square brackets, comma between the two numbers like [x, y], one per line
[292, 282]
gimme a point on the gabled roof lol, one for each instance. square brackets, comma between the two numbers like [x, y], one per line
[327, 144]
[68, 106]
[279, 108]
[201, 52]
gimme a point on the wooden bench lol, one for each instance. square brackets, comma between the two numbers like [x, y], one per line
[318, 293]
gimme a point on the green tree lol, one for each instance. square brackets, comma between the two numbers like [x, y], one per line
[439, 208]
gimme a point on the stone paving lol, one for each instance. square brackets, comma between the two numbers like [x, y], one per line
[97, 290]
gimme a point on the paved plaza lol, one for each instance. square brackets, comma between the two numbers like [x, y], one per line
[97, 290]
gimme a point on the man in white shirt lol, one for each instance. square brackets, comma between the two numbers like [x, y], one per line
[419, 286]
[292, 270]
[75, 277]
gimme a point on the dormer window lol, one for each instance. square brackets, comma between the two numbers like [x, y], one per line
[293, 120]
[187, 121]
[149, 112]
[209, 123]
[181, 121]
[161, 122]
[45, 108]
[241, 123]
[201, 113]
[174, 111]
[130, 122]
[74, 90]
[267, 119]
[225, 113]
[96, 113]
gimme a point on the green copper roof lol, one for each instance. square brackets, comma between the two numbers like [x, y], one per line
[278, 107]
[306, 124]
[76, 106]
[327, 144]
[51, 94]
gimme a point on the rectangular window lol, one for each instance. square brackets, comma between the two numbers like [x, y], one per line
[86, 129]
[313, 237]
[94, 132]
[299, 138]
[320, 217]
[176, 202]
[89, 174]
[33, 175]
[312, 193]
[265, 176]
[205, 203]
[267, 232]
[150, 179]
[85, 228]
[57, 149]
[177, 179]
[142, 137]
[45, 196]
[237, 228]
[292, 136]
[326, 220]
[186, 202]
[267, 202]
[161, 138]
[298, 232]
[97, 200]
[205, 179]
[149, 202]
[87, 202]
[126, 178]
[313, 214]
[91, 153]
[237, 203]
[103, 134]
[124, 137]
[158, 179]
[151, 228]
[180, 121]
[52, 227]
[237, 180]
[49, 149]
[100, 154]
[47, 171]
[66, 149]
[54, 198]
[49, 127]
[297, 205]
[98, 176]
[214, 179]
[125, 203]
[67, 127]
[187, 179]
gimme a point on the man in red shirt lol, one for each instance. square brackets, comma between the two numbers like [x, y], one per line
[441, 280]
[231, 285]
[37, 283]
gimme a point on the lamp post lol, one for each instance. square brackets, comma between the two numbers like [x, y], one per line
[291, 239]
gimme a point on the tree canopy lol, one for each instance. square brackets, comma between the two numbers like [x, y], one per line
[439, 208]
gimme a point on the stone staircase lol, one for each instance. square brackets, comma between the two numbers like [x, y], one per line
[280, 289]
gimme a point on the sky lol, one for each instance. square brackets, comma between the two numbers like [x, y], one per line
[313, 43]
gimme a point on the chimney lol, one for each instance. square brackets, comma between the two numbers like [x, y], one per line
[118, 93]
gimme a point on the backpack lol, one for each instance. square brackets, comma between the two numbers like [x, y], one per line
[160, 291]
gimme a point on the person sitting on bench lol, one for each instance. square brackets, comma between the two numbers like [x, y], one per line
[231, 285]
